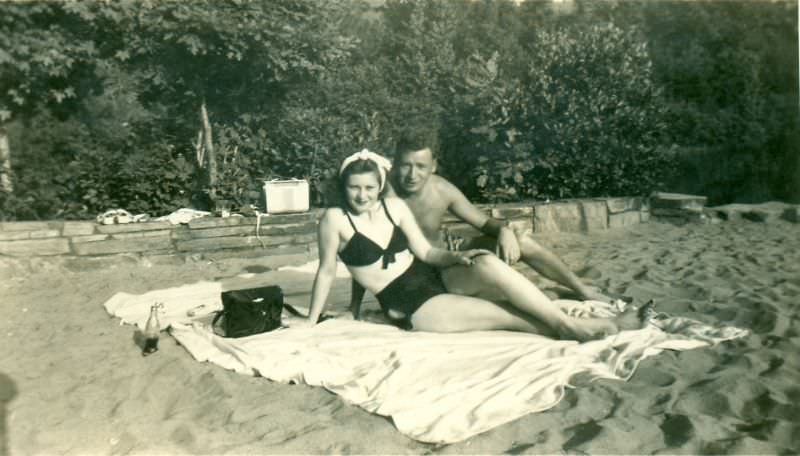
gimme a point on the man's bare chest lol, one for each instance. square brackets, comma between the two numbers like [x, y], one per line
[429, 214]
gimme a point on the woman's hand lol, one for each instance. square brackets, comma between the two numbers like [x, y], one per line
[466, 257]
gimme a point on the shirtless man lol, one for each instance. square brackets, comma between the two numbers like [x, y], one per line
[430, 197]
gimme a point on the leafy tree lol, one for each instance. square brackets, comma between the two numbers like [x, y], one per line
[730, 74]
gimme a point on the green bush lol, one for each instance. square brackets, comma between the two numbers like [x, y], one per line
[586, 119]
[529, 101]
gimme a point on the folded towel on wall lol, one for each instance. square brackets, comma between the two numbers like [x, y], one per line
[436, 387]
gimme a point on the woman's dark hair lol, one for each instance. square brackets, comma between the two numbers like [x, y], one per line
[357, 167]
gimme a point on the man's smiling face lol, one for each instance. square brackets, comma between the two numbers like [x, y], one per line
[413, 169]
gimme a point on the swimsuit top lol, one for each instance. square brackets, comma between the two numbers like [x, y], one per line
[363, 251]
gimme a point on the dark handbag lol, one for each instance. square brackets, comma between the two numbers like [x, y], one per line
[250, 311]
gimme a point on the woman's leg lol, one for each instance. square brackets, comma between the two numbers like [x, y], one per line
[456, 313]
[526, 297]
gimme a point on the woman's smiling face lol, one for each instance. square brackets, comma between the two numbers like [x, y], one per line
[362, 191]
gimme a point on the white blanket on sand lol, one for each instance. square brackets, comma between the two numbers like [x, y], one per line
[436, 387]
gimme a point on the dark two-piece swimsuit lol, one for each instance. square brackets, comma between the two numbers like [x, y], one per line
[408, 291]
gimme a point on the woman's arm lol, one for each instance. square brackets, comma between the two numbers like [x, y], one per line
[419, 244]
[328, 241]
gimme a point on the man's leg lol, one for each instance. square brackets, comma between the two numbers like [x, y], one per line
[539, 258]
[550, 266]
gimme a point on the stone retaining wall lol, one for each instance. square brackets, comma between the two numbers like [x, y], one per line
[287, 238]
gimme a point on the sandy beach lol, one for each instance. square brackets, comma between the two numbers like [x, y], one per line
[74, 381]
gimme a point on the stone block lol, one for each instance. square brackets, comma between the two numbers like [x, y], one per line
[166, 259]
[133, 227]
[100, 263]
[763, 212]
[522, 226]
[246, 230]
[44, 234]
[791, 214]
[285, 219]
[272, 257]
[229, 242]
[644, 216]
[181, 233]
[216, 222]
[309, 227]
[112, 246]
[660, 200]
[449, 218]
[143, 234]
[595, 215]
[512, 211]
[52, 246]
[624, 219]
[756, 215]
[617, 205]
[555, 217]
[77, 228]
[463, 230]
[266, 219]
[89, 238]
[676, 213]
[27, 226]
[14, 235]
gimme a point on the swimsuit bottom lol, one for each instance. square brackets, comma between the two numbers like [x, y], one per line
[410, 290]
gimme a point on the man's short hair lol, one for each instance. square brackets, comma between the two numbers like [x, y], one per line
[414, 139]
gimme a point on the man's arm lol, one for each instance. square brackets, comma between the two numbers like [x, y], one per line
[461, 207]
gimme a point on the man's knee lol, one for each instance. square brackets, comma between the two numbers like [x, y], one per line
[528, 246]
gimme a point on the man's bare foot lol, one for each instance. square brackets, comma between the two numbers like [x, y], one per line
[591, 294]
[629, 319]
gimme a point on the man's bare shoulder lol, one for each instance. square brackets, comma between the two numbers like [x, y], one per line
[444, 188]
[395, 204]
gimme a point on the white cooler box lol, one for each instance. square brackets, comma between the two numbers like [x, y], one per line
[283, 196]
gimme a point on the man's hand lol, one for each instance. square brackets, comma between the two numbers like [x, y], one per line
[507, 246]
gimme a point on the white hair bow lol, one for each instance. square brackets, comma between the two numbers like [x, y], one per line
[383, 163]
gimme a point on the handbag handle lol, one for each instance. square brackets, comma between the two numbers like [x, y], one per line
[215, 320]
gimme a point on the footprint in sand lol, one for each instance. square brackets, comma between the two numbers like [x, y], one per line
[653, 376]
[183, 437]
[677, 429]
[589, 272]
[760, 321]
[581, 434]
[659, 403]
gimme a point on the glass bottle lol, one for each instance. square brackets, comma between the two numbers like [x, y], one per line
[151, 331]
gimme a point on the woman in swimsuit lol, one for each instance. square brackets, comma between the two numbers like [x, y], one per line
[379, 241]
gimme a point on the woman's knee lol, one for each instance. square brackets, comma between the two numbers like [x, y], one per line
[490, 267]
[487, 261]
